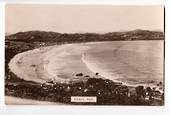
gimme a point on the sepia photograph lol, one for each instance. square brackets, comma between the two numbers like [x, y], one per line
[84, 55]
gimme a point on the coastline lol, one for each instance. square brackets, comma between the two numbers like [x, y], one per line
[46, 55]
[15, 61]
[104, 75]
[39, 83]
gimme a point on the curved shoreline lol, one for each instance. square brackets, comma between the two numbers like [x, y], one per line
[42, 72]
[39, 58]
[14, 63]
[94, 69]
[46, 55]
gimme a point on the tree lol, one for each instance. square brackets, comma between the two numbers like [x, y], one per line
[140, 91]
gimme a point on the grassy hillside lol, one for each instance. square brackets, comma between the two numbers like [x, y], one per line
[43, 36]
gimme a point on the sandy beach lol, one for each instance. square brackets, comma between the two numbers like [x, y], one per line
[118, 61]
[27, 65]
[37, 65]
[60, 63]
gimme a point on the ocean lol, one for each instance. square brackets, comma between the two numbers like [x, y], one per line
[131, 62]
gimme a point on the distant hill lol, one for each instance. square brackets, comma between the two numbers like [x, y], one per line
[43, 36]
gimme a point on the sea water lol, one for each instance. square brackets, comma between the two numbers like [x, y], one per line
[132, 62]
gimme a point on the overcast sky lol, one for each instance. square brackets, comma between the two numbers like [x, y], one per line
[72, 19]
